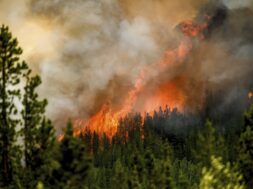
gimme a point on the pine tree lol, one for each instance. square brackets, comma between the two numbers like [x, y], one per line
[220, 176]
[119, 180]
[164, 180]
[32, 116]
[149, 165]
[44, 153]
[150, 173]
[248, 118]
[136, 171]
[74, 162]
[86, 136]
[11, 72]
[134, 181]
[205, 144]
[95, 143]
[245, 148]
[162, 169]
[36, 144]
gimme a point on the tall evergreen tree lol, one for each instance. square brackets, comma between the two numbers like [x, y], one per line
[38, 132]
[45, 153]
[11, 72]
[221, 176]
[74, 162]
[36, 143]
[119, 180]
[205, 144]
[32, 116]
[246, 148]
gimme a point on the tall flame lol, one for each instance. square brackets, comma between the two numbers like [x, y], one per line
[168, 93]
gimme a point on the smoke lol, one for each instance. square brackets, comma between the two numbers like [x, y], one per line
[91, 51]
[98, 45]
[233, 4]
[224, 60]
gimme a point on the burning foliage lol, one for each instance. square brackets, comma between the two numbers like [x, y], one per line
[105, 59]
[144, 97]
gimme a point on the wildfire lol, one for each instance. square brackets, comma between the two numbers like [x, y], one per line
[250, 95]
[192, 29]
[104, 121]
[167, 93]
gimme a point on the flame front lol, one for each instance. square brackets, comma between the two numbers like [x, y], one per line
[250, 95]
[167, 93]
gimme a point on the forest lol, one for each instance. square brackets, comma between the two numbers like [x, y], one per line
[168, 149]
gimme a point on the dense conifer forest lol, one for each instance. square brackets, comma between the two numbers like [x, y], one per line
[168, 149]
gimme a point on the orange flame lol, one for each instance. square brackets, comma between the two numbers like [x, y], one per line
[191, 29]
[104, 121]
[250, 95]
[168, 93]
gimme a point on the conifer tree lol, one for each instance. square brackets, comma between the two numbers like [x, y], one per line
[221, 176]
[205, 144]
[44, 153]
[38, 133]
[32, 116]
[74, 162]
[95, 143]
[11, 72]
[136, 176]
[246, 148]
[119, 180]
[248, 118]
[87, 138]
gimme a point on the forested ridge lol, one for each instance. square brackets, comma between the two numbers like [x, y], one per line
[168, 149]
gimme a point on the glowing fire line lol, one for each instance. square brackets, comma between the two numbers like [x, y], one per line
[105, 120]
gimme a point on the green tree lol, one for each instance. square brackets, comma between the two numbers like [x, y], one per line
[44, 153]
[32, 116]
[74, 162]
[149, 171]
[11, 72]
[220, 176]
[133, 179]
[245, 148]
[205, 144]
[95, 143]
[248, 118]
[246, 155]
[39, 135]
[136, 171]
[119, 180]
[165, 181]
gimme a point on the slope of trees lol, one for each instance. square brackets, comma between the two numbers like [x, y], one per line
[166, 150]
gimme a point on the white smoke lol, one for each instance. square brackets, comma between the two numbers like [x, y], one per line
[78, 47]
[234, 4]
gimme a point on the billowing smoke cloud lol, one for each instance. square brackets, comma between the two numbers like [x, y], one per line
[90, 51]
[233, 4]
[98, 47]
[224, 59]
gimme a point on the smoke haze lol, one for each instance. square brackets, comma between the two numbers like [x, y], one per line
[92, 51]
